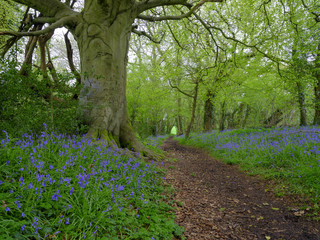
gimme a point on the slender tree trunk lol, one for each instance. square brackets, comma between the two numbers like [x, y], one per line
[31, 45]
[239, 115]
[246, 116]
[302, 107]
[223, 116]
[274, 119]
[316, 120]
[208, 112]
[179, 117]
[194, 105]
[70, 59]
[103, 39]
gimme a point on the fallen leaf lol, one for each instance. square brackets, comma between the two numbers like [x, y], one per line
[265, 204]
[299, 214]
[274, 208]
[268, 238]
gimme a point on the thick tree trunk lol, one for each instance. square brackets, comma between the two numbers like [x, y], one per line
[103, 40]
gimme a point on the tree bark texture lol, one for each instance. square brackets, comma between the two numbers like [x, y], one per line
[302, 107]
[194, 106]
[103, 39]
[223, 116]
[208, 112]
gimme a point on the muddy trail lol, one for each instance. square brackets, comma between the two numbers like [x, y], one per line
[217, 201]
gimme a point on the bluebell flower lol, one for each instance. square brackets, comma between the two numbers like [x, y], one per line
[56, 195]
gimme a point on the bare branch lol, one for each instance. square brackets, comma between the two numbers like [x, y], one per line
[174, 37]
[188, 14]
[143, 33]
[179, 90]
[58, 24]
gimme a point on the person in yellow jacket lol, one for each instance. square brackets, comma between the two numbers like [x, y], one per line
[174, 130]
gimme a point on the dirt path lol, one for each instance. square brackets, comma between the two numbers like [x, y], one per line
[220, 202]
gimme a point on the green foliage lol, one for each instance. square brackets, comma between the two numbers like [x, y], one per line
[23, 106]
[66, 187]
[9, 17]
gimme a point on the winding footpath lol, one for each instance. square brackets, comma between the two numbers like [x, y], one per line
[217, 201]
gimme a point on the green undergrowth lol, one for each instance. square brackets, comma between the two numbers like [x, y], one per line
[153, 143]
[289, 156]
[64, 187]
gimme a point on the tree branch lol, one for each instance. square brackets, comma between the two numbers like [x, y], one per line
[149, 4]
[316, 15]
[179, 90]
[60, 23]
[143, 33]
[25, 25]
[49, 8]
[174, 37]
[188, 14]
[70, 59]
[44, 20]
[272, 58]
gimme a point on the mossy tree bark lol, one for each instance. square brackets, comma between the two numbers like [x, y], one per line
[103, 38]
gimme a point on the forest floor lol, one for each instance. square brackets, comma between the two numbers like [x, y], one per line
[218, 201]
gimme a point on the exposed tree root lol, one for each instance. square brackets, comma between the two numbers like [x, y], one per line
[127, 144]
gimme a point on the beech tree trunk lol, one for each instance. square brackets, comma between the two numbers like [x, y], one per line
[103, 40]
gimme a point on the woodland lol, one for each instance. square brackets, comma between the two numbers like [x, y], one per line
[210, 65]
[90, 89]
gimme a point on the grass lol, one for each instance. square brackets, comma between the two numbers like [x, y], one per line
[287, 155]
[65, 187]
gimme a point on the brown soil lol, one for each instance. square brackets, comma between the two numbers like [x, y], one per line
[218, 201]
